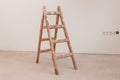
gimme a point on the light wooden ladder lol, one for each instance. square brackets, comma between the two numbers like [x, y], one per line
[53, 40]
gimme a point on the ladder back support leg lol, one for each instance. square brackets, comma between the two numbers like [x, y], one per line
[52, 49]
[68, 42]
[40, 38]
[56, 30]
[53, 40]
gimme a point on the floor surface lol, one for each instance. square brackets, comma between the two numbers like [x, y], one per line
[22, 66]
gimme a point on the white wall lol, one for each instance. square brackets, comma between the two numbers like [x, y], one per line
[86, 20]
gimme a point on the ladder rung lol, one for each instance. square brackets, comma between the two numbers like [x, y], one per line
[52, 12]
[46, 39]
[60, 41]
[54, 26]
[46, 50]
[63, 56]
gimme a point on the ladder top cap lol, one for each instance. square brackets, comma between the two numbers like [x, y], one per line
[45, 6]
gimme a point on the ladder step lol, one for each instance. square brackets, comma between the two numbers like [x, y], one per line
[46, 50]
[52, 12]
[54, 26]
[60, 41]
[63, 56]
[46, 39]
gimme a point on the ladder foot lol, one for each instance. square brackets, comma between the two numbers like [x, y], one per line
[76, 68]
[37, 61]
[56, 72]
[74, 62]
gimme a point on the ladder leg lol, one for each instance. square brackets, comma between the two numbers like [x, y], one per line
[70, 49]
[53, 54]
[55, 37]
[52, 50]
[54, 63]
[56, 30]
[74, 62]
[40, 38]
[39, 45]
[73, 58]
[68, 42]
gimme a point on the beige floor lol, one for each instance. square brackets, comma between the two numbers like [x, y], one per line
[22, 66]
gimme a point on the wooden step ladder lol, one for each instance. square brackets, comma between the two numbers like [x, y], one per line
[53, 40]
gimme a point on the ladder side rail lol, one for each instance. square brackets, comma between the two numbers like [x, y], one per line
[65, 30]
[68, 42]
[51, 44]
[40, 38]
[56, 30]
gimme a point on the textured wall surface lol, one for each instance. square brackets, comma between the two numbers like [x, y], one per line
[86, 20]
